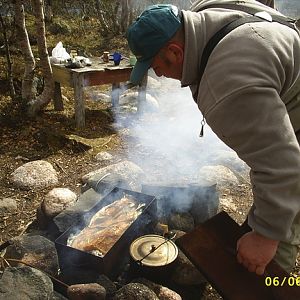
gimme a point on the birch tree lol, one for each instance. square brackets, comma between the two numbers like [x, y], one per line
[24, 44]
[35, 105]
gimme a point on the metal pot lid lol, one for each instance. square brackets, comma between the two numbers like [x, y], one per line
[153, 250]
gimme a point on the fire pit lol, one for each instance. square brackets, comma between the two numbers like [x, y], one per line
[201, 201]
[94, 243]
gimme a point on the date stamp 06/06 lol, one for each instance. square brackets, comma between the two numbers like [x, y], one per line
[281, 281]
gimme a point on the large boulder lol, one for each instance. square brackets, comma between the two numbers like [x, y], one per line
[25, 283]
[162, 292]
[135, 291]
[220, 175]
[88, 291]
[37, 251]
[8, 205]
[34, 175]
[72, 216]
[129, 176]
[57, 200]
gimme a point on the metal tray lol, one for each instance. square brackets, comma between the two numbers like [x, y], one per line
[69, 257]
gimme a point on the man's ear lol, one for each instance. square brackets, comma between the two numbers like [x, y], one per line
[175, 53]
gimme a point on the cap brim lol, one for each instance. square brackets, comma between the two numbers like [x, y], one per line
[139, 70]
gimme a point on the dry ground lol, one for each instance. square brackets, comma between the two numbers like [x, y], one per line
[26, 140]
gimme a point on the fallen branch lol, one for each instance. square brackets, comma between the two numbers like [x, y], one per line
[8, 260]
[60, 167]
[106, 141]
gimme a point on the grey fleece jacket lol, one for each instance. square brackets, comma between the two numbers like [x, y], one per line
[241, 96]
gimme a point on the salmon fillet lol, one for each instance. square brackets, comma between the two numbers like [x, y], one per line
[107, 226]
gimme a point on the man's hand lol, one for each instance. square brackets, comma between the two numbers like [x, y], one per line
[255, 251]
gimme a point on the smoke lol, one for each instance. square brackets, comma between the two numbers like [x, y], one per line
[165, 141]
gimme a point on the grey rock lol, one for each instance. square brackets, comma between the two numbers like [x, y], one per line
[131, 175]
[135, 291]
[181, 221]
[41, 218]
[72, 216]
[220, 175]
[228, 159]
[76, 275]
[57, 296]
[107, 182]
[34, 175]
[56, 201]
[185, 273]
[162, 292]
[109, 286]
[25, 283]
[128, 97]
[8, 205]
[89, 291]
[36, 250]
[103, 156]
[148, 103]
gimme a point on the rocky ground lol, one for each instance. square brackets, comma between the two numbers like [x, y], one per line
[124, 135]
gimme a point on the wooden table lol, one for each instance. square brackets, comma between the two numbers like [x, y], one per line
[97, 74]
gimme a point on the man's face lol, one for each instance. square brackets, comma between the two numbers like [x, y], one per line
[169, 61]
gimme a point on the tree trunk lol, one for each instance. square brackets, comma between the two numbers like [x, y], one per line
[8, 59]
[48, 11]
[27, 81]
[48, 92]
[115, 23]
[131, 13]
[125, 14]
[104, 27]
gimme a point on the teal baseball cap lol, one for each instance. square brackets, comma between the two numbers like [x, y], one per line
[149, 33]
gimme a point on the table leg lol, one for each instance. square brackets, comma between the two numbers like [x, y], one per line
[142, 92]
[57, 98]
[115, 94]
[78, 80]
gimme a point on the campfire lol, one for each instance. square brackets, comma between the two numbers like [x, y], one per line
[127, 235]
[106, 231]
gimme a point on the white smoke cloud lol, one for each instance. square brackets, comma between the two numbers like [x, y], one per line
[166, 142]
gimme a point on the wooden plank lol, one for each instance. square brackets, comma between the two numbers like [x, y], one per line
[211, 248]
[142, 92]
[115, 94]
[62, 75]
[92, 78]
[57, 99]
[79, 100]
